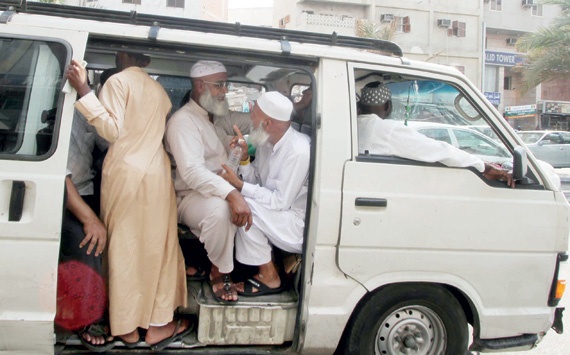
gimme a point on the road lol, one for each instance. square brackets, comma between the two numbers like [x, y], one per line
[556, 344]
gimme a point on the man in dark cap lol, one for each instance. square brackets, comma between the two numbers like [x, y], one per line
[382, 136]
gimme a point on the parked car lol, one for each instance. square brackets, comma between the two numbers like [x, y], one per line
[467, 139]
[551, 146]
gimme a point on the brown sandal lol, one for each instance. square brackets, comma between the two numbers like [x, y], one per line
[229, 288]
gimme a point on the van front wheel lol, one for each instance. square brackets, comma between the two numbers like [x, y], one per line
[409, 319]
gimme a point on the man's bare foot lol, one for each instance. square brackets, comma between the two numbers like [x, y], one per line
[222, 285]
[155, 335]
[96, 337]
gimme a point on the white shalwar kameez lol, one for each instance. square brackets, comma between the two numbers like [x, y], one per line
[196, 150]
[393, 138]
[275, 187]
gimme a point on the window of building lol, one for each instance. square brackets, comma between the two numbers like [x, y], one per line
[173, 3]
[537, 10]
[403, 24]
[458, 29]
[136, 2]
[284, 21]
[507, 83]
[497, 5]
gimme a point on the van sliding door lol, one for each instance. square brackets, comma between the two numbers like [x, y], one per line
[35, 125]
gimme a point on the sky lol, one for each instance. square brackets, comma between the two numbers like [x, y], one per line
[237, 4]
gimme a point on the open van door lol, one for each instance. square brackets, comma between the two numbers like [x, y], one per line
[35, 126]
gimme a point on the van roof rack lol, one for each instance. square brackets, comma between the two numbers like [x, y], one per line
[236, 29]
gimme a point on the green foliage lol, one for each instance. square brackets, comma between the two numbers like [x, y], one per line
[548, 49]
[369, 29]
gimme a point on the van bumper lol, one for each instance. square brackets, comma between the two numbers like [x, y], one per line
[518, 343]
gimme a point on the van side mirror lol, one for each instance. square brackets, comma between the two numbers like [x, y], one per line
[520, 163]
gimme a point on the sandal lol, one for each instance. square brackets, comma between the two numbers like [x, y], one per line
[163, 344]
[198, 276]
[96, 330]
[262, 289]
[229, 288]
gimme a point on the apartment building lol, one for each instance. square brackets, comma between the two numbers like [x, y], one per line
[476, 37]
[504, 23]
[213, 10]
[439, 31]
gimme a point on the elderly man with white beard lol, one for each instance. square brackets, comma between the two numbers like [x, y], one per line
[207, 204]
[275, 188]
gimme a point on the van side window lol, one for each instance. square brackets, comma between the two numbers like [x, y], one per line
[434, 108]
[30, 78]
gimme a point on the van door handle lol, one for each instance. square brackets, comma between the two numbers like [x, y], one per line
[17, 201]
[370, 202]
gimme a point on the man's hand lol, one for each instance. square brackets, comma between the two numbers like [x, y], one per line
[492, 173]
[95, 236]
[241, 214]
[242, 143]
[231, 177]
[77, 77]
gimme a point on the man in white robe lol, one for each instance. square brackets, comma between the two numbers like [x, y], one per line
[275, 187]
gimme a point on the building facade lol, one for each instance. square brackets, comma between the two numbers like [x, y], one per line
[476, 37]
[213, 10]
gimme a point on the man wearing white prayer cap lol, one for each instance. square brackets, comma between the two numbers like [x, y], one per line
[275, 188]
[211, 207]
[378, 135]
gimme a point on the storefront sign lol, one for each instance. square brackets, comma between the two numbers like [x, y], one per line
[493, 97]
[503, 58]
[557, 107]
[524, 111]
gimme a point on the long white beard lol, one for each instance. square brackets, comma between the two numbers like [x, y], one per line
[258, 136]
[212, 105]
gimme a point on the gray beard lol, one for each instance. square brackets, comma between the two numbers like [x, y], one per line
[258, 136]
[210, 104]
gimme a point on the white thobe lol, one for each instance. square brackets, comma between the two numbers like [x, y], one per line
[198, 154]
[393, 138]
[275, 187]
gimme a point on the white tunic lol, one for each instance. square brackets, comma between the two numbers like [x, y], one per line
[393, 138]
[275, 187]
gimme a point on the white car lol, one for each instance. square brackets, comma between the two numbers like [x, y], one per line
[467, 139]
[552, 147]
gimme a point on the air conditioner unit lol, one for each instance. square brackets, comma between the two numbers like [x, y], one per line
[386, 17]
[443, 22]
[527, 3]
[511, 41]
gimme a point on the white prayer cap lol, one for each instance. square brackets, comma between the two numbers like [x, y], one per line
[206, 67]
[275, 105]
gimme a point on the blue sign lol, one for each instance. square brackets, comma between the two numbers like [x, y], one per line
[493, 97]
[503, 58]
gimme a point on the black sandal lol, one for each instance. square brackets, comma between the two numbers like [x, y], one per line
[96, 330]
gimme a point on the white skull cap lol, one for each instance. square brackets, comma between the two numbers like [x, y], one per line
[275, 105]
[206, 67]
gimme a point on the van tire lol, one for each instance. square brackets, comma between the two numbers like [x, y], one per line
[417, 316]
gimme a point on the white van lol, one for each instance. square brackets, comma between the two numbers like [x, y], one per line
[400, 256]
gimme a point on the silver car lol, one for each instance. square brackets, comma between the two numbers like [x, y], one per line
[467, 139]
[551, 146]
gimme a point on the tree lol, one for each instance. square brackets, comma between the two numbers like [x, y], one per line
[548, 49]
[369, 29]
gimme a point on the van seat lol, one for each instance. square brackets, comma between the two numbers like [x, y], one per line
[296, 126]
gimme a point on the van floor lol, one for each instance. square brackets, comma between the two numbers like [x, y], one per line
[203, 307]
